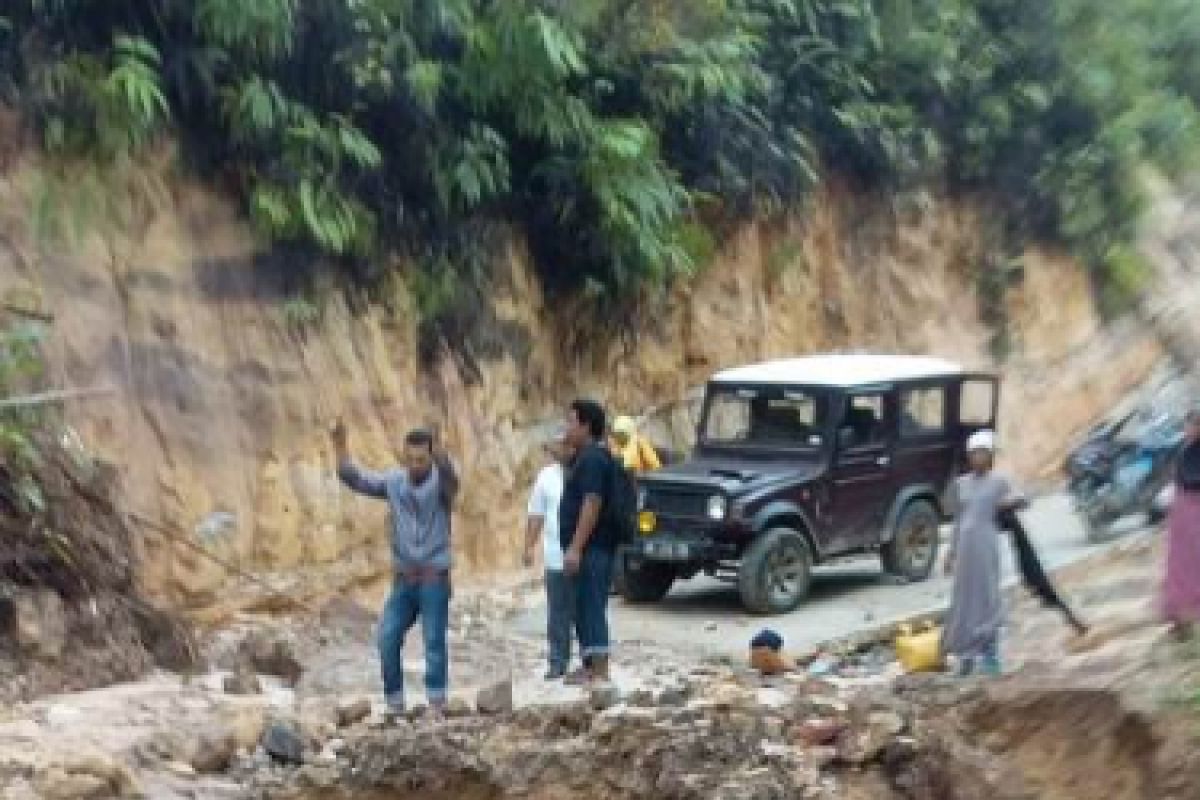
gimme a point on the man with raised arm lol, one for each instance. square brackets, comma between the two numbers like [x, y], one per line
[420, 494]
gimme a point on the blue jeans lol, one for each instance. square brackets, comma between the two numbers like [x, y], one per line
[429, 600]
[560, 618]
[591, 600]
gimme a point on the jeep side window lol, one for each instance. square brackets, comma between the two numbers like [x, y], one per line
[862, 424]
[977, 403]
[922, 412]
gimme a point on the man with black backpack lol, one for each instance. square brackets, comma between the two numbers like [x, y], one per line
[591, 522]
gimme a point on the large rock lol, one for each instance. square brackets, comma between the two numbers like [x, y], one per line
[213, 751]
[39, 623]
[495, 699]
[58, 784]
[604, 696]
[87, 776]
[283, 743]
[351, 712]
[243, 681]
[270, 655]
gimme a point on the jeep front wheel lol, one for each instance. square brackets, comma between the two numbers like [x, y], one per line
[912, 551]
[646, 582]
[776, 572]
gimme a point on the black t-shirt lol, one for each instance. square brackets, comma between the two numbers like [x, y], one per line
[590, 474]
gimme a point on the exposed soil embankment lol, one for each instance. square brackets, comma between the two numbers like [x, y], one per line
[72, 615]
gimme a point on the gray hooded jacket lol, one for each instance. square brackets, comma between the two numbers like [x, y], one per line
[420, 514]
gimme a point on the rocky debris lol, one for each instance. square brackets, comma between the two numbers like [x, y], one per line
[283, 743]
[268, 654]
[37, 623]
[819, 731]
[735, 747]
[604, 696]
[243, 681]
[495, 699]
[351, 712]
[84, 777]
[672, 696]
[458, 708]
[864, 743]
[348, 618]
[213, 751]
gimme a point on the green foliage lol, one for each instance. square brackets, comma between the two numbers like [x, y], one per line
[300, 313]
[601, 126]
[20, 364]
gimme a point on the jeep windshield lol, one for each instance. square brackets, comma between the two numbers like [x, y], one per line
[769, 417]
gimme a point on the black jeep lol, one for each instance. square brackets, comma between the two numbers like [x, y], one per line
[802, 461]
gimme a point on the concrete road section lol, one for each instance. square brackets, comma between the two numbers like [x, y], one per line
[705, 617]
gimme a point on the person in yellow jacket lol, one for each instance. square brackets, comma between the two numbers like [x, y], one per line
[637, 454]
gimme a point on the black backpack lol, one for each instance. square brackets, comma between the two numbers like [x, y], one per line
[620, 505]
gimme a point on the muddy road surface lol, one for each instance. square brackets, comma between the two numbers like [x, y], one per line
[704, 617]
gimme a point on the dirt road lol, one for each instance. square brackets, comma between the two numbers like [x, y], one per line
[704, 616]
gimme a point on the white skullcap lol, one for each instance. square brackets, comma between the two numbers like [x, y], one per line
[982, 440]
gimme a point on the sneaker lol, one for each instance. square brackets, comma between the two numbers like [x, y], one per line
[555, 674]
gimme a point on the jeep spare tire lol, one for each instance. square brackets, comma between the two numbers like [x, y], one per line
[776, 572]
[913, 549]
[645, 581]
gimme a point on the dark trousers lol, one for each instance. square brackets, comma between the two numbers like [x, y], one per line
[560, 618]
[591, 600]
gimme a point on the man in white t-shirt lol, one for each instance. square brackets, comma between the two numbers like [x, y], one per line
[542, 524]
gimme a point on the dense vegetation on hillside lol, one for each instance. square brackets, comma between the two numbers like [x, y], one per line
[608, 129]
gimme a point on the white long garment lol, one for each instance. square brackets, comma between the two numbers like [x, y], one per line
[543, 502]
[976, 607]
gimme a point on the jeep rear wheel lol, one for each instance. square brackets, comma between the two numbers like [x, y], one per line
[646, 582]
[912, 551]
[776, 572]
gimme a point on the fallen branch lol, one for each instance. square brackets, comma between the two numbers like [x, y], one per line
[53, 396]
[29, 313]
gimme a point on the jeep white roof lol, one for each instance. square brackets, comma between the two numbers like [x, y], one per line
[841, 371]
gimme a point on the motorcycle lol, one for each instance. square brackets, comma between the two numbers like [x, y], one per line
[1111, 476]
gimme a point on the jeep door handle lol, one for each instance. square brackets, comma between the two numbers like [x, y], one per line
[883, 461]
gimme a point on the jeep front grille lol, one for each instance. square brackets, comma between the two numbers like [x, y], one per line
[674, 502]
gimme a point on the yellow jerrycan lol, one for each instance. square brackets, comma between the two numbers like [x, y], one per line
[920, 651]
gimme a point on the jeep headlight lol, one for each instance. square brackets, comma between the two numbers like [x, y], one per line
[717, 507]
